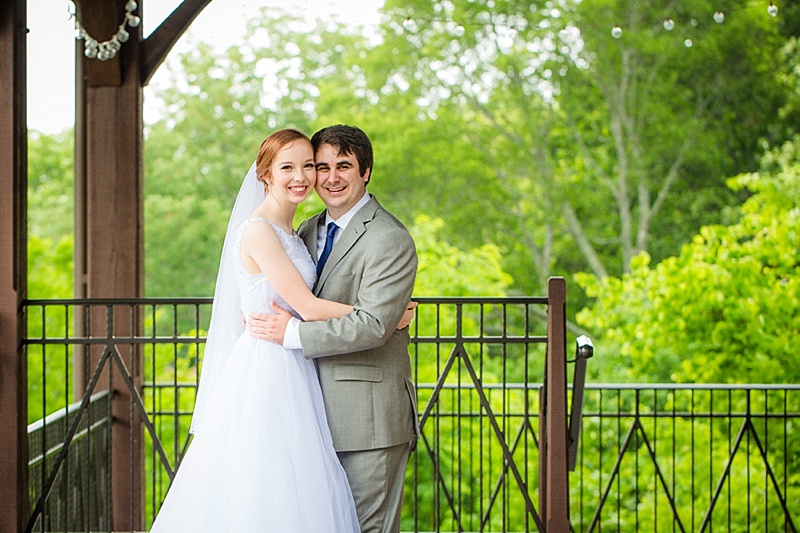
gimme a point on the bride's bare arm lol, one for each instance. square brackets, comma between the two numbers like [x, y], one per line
[262, 250]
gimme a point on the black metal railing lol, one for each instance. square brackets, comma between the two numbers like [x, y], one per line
[650, 457]
[77, 349]
[82, 484]
[688, 457]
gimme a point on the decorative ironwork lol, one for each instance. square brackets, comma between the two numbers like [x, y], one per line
[81, 471]
[682, 459]
[651, 457]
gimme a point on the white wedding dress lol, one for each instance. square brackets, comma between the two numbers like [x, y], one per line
[262, 459]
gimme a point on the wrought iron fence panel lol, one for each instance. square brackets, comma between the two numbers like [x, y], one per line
[80, 487]
[478, 365]
[651, 457]
[101, 345]
[688, 458]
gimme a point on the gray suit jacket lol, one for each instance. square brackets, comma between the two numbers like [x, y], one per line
[362, 359]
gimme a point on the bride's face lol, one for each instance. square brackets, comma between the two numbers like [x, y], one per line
[293, 172]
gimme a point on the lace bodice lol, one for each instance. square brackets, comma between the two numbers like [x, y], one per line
[255, 292]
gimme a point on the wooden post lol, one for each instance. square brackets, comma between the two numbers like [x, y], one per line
[554, 471]
[109, 232]
[109, 213]
[14, 502]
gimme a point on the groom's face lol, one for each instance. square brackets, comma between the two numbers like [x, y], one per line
[339, 182]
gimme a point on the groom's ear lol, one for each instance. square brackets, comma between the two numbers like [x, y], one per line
[367, 175]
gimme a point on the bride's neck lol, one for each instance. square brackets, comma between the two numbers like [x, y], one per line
[278, 213]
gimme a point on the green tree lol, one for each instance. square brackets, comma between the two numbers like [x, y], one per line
[214, 115]
[788, 78]
[314, 76]
[49, 276]
[50, 265]
[445, 270]
[520, 125]
[50, 189]
[723, 309]
[607, 140]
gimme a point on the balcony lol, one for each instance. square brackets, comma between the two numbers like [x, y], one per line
[117, 381]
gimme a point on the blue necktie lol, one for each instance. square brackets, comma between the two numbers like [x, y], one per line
[326, 251]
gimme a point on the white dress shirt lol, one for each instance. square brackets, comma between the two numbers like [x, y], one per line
[291, 337]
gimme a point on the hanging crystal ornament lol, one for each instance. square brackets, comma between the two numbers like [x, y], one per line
[669, 24]
[616, 32]
[772, 10]
[719, 17]
[107, 49]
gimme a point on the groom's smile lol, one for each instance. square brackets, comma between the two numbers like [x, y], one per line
[339, 182]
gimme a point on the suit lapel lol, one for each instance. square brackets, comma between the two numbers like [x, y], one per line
[355, 229]
[308, 232]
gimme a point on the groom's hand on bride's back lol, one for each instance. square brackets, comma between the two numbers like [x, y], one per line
[269, 327]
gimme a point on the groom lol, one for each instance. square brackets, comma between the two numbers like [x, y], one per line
[368, 260]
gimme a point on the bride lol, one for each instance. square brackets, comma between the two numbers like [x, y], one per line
[262, 457]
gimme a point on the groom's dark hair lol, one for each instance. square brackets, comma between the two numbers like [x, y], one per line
[349, 140]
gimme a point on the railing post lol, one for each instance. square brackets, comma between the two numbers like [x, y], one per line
[583, 351]
[554, 472]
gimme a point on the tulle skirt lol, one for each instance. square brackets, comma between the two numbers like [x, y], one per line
[262, 460]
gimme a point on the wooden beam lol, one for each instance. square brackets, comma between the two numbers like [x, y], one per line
[14, 502]
[101, 18]
[109, 200]
[109, 175]
[156, 47]
[109, 240]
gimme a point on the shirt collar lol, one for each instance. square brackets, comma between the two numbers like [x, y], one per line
[345, 219]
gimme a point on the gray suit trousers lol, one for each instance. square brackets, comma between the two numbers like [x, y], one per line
[376, 478]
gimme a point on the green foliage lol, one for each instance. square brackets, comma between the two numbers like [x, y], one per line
[788, 78]
[567, 149]
[721, 311]
[601, 143]
[50, 185]
[445, 270]
[214, 115]
[49, 276]
[50, 267]
[184, 236]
